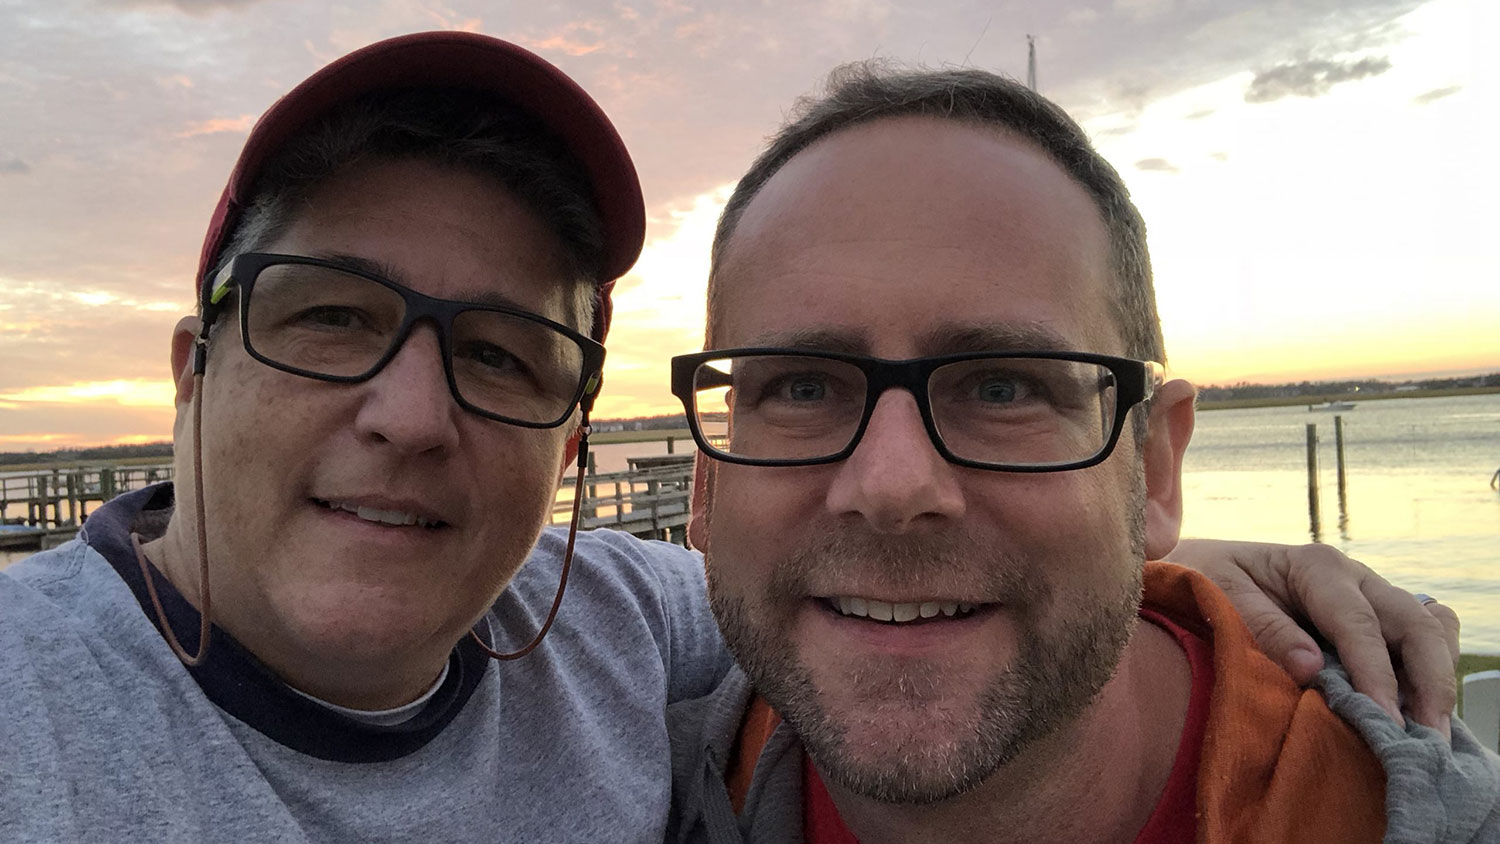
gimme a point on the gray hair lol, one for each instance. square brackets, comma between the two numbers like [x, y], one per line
[866, 91]
[451, 128]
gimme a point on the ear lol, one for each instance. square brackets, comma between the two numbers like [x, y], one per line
[1167, 435]
[183, 336]
[698, 523]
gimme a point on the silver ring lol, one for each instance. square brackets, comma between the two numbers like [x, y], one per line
[1425, 599]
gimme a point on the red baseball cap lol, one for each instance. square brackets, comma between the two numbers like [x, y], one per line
[472, 62]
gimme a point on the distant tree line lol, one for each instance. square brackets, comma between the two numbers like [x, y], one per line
[71, 455]
[667, 422]
[671, 421]
[1323, 388]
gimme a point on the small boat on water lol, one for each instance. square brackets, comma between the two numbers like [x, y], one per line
[1331, 405]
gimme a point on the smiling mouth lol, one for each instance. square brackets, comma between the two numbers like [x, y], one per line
[869, 609]
[392, 518]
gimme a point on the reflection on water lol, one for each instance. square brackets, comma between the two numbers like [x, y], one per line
[1419, 508]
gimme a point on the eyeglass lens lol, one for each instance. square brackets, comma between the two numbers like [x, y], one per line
[329, 322]
[998, 410]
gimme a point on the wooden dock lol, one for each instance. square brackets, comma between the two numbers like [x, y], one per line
[44, 509]
[60, 497]
[649, 499]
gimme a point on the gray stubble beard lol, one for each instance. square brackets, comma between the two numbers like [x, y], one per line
[1050, 683]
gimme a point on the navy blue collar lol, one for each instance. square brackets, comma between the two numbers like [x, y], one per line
[239, 684]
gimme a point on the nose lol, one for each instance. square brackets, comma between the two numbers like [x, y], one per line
[896, 480]
[407, 404]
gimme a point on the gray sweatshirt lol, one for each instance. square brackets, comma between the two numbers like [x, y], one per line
[105, 736]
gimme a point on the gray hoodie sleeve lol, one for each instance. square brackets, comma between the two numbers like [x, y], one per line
[1435, 793]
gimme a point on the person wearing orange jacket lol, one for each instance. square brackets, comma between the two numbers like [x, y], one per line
[943, 450]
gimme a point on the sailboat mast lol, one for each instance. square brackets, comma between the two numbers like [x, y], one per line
[1031, 62]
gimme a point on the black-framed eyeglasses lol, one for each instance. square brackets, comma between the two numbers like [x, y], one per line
[324, 320]
[1017, 411]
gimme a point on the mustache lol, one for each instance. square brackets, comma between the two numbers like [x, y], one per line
[951, 562]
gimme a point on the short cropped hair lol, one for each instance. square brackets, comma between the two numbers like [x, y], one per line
[450, 128]
[862, 92]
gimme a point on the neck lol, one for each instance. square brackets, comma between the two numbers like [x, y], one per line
[1097, 779]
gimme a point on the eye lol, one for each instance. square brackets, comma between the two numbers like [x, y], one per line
[331, 316]
[802, 389]
[997, 390]
[490, 356]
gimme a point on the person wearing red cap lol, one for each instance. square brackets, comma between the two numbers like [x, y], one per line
[402, 294]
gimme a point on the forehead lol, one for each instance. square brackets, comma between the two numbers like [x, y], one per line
[899, 236]
[444, 231]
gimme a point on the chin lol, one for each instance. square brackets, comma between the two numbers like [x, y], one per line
[370, 629]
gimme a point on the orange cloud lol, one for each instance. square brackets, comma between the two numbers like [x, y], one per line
[136, 393]
[216, 125]
[566, 40]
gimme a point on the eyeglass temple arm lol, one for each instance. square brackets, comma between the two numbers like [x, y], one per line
[1156, 375]
[707, 378]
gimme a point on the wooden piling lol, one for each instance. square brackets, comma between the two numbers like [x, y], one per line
[589, 510]
[1338, 438]
[1314, 516]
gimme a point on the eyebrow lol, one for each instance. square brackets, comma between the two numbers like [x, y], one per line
[390, 272]
[814, 340]
[996, 337]
[944, 340]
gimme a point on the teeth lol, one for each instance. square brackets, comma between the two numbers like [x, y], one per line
[385, 517]
[899, 613]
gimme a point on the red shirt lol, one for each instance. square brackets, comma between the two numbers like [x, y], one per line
[1173, 821]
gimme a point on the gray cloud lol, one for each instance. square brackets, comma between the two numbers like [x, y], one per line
[1156, 165]
[13, 167]
[192, 7]
[1436, 94]
[1311, 78]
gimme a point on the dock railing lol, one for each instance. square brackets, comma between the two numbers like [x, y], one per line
[61, 497]
[650, 499]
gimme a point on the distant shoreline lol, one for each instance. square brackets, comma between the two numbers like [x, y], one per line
[1322, 398]
[686, 436]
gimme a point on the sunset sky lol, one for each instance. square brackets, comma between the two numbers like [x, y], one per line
[1318, 176]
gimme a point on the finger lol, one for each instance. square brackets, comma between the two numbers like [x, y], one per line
[1338, 606]
[1449, 619]
[1421, 641]
[1276, 633]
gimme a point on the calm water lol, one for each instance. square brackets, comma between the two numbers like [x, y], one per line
[1419, 508]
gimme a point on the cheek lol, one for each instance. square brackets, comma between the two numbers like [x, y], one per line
[763, 504]
[515, 471]
[748, 527]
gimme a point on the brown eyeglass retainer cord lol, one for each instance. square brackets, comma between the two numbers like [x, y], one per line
[562, 580]
[205, 626]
